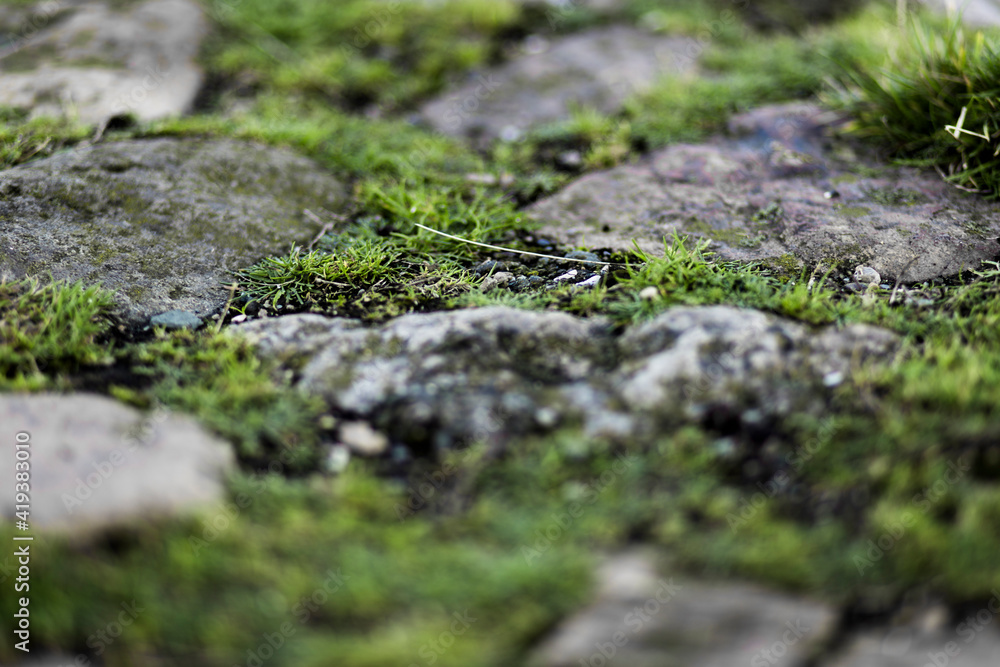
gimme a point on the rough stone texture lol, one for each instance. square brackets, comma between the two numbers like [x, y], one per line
[449, 378]
[160, 222]
[927, 637]
[97, 61]
[96, 463]
[763, 195]
[643, 619]
[599, 68]
[720, 353]
[441, 378]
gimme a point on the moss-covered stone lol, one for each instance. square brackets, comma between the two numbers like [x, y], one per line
[141, 217]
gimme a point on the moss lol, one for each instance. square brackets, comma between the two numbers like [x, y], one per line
[890, 196]
[48, 330]
[733, 236]
[852, 211]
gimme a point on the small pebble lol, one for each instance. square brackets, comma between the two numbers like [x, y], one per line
[650, 293]
[496, 280]
[833, 378]
[866, 274]
[580, 254]
[569, 275]
[176, 319]
[337, 459]
[489, 266]
[831, 194]
[362, 439]
[590, 282]
[520, 284]
[546, 417]
[570, 159]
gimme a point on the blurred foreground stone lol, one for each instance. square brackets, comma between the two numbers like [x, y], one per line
[96, 463]
[643, 619]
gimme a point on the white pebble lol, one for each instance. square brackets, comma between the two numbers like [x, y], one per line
[566, 276]
[650, 293]
[866, 274]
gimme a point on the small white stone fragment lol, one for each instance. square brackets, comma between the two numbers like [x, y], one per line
[650, 293]
[866, 274]
[833, 378]
[566, 276]
[337, 459]
[362, 439]
[239, 318]
[546, 417]
[499, 279]
[590, 282]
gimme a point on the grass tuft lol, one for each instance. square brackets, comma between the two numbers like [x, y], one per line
[50, 329]
[935, 104]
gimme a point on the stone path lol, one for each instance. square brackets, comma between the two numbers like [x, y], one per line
[163, 221]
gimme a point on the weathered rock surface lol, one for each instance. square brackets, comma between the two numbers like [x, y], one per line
[719, 353]
[599, 69]
[442, 378]
[777, 190]
[642, 619]
[455, 377]
[160, 222]
[96, 463]
[95, 61]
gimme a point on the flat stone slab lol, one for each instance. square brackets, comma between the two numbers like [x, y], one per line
[95, 463]
[489, 374]
[96, 60]
[641, 618]
[773, 189]
[599, 68]
[160, 222]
